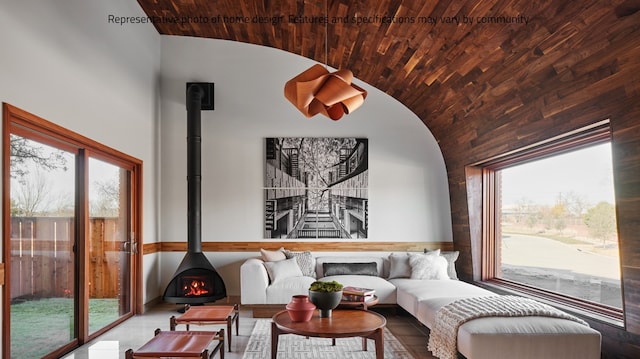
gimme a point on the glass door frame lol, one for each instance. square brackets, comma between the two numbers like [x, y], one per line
[21, 122]
[131, 168]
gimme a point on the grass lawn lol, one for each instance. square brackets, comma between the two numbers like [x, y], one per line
[42, 325]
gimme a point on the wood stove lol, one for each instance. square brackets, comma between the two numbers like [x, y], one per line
[195, 281]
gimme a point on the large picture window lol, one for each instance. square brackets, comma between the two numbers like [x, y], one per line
[550, 223]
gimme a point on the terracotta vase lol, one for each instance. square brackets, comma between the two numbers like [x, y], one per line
[300, 309]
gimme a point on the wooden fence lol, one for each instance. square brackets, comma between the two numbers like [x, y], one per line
[43, 259]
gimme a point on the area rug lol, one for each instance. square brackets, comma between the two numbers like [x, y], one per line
[292, 346]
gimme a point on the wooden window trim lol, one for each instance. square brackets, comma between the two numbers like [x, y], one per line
[592, 309]
[598, 132]
[591, 135]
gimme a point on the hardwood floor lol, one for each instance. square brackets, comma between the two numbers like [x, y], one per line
[408, 330]
[136, 331]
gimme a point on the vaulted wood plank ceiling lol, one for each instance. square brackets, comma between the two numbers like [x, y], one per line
[442, 58]
[483, 89]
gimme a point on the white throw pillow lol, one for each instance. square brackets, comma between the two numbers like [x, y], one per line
[428, 266]
[280, 270]
[451, 257]
[272, 256]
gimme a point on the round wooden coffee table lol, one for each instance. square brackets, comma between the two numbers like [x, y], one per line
[342, 324]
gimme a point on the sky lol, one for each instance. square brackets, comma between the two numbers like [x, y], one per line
[587, 172]
[60, 183]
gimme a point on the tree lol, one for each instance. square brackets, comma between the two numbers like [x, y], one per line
[575, 204]
[31, 193]
[32, 196]
[559, 213]
[522, 209]
[319, 159]
[107, 201]
[24, 151]
[601, 221]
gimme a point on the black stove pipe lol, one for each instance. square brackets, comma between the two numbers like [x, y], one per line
[195, 94]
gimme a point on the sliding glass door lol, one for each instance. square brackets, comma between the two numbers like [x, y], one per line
[109, 243]
[42, 263]
[70, 218]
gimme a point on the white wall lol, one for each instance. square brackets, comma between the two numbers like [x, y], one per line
[63, 61]
[408, 190]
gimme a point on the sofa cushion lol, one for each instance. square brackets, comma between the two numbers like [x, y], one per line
[427, 289]
[281, 292]
[272, 256]
[399, 266]
[428, 266]
[451, 257]
[380, 263]
[412, 295]
[527, 337]
[306, 262]
[369, 268]
[284, 269]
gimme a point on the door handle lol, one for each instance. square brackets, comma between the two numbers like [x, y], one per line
[134, 243]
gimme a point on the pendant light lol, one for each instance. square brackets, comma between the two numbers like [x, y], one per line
[318, 91]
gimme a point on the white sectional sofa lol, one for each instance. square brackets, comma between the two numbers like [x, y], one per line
[483, 338]
[497, 337]
[256, 287]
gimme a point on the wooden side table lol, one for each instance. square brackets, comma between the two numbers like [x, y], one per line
[206, 315]
[194, 344]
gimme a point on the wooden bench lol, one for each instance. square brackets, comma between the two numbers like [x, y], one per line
[206, 315]
[180, 344]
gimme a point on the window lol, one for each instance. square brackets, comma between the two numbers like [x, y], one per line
[550, 226]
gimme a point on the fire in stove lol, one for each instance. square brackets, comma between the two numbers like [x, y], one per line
[195, 286]
[195, 282]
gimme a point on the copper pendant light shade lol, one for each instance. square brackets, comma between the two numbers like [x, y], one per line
[316, 90]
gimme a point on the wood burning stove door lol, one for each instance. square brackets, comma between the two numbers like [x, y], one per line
[110, 243]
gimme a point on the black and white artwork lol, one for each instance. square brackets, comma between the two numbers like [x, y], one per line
[316, 187]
